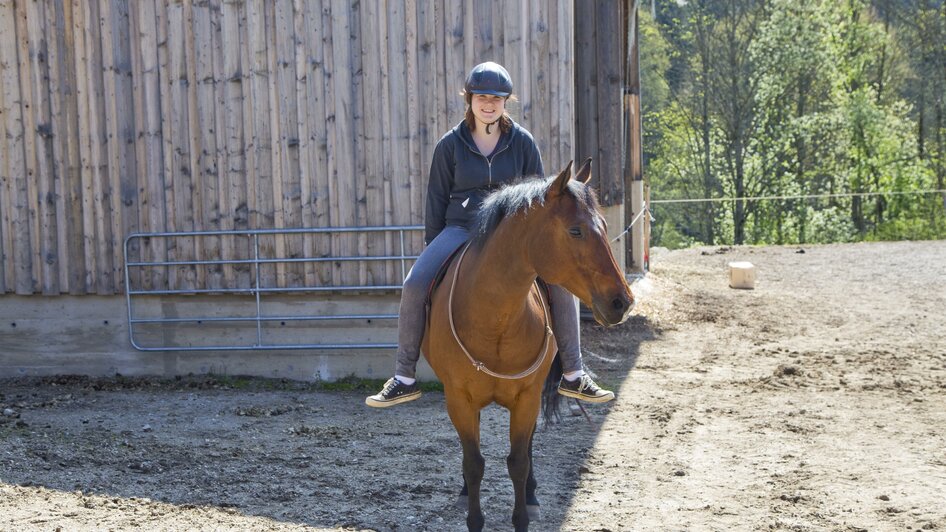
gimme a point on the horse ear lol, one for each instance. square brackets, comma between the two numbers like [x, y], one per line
[561, 182]
[584, 174]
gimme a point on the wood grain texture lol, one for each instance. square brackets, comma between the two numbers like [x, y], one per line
[183, 115]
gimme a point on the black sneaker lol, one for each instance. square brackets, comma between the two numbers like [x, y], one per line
[395, 392]
[585, 389]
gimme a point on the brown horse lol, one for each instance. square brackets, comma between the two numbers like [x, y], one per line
[489, 337]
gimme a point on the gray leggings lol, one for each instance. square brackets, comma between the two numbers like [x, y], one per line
[413, 314]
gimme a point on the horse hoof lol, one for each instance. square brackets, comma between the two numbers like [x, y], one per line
[463, 502]
[535, 514]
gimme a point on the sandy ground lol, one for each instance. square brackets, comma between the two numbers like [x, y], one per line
[816, 401]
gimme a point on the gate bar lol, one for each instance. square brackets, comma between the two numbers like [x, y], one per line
[258, 291]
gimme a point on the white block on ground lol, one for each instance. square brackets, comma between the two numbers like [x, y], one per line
[741, 275]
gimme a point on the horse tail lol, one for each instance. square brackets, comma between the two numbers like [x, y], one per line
[550, 396]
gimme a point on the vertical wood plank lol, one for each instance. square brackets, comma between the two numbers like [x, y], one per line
[609, 176]
[60, 94]
[539, 115]
[105, 191]
[16, 216]
[396, 269]
[372, 179]
[208, 172]
[319, 208]
[341, 155]
[398, 135]
[301, 66]
[151, 175]
[359, 269]
[567, 74]
[511, 57]
[331, 139]
[191, 116]
[83, 109]
[71, 237]
[98, 141]
[483, 33]
[139, 277]
[181, 215]
[278, 215]
[415, 165]
[427, 69]
[6, 242]
[230, 117]
[586, 82]
[497, 12]
[166, 83]
[121, 187]
[470, 52]
[248, 149]
[289, 204]
[261, 213]
[39, 146]
[442, 119]
[455, 61]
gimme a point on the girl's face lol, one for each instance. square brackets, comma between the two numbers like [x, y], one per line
[487, 108]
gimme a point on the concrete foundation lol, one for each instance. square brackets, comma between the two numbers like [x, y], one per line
[89, 335]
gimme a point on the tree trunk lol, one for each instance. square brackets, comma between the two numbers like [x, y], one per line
[708, 192]
[800, 109]
[739, 216]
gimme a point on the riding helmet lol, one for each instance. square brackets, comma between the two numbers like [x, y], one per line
[489, 78]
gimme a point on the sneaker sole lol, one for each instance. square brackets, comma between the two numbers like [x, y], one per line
[371, 401]
[587, 398]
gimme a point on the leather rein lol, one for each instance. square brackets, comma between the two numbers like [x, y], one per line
[476, 363]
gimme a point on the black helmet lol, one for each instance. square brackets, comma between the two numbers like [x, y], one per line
[489, 78]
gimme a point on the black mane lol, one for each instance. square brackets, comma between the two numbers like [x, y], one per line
[520, 196]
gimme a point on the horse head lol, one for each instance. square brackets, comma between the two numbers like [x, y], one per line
[573, 250]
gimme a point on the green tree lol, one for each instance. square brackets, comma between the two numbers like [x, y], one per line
[790, 98]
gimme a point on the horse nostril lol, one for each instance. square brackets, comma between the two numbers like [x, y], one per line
[618, 304]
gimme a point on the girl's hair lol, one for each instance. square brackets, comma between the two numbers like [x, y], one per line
[505, 121]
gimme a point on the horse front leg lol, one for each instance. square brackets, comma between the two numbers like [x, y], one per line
[532, 502]
[519, 462]
[466, 421]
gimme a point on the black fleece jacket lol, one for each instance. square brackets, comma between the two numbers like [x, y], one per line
[461, 176]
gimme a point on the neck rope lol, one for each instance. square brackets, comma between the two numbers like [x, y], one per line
[543, 354]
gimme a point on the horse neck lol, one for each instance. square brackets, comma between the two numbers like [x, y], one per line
[500, 276]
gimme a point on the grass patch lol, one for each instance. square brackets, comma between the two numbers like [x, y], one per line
[352, 383]
[214, 381]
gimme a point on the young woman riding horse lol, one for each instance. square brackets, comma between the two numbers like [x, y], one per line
[487, 149]
[489, 338]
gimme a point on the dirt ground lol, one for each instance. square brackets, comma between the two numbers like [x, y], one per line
[816, 401]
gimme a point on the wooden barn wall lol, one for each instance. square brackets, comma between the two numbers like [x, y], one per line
[600, 50]
[126, 116]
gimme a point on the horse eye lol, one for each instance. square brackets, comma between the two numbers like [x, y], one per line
[575, 231]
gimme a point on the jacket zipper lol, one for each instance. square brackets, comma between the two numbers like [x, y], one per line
[489, 164]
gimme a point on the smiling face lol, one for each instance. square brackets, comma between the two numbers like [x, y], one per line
[487, 108]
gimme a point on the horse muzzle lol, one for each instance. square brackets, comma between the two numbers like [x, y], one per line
[612, 310]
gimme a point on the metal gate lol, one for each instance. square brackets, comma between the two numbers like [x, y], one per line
[257, 321]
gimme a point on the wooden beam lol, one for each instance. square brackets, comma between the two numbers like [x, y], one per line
[638, 250]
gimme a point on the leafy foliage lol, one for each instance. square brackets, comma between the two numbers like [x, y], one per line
[794, 100]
